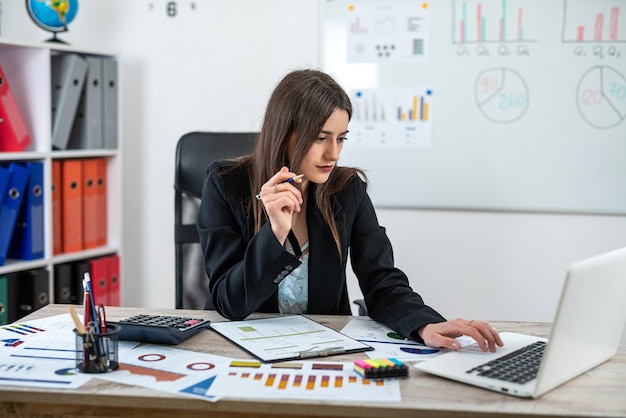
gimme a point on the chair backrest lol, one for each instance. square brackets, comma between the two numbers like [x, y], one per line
[194, 152]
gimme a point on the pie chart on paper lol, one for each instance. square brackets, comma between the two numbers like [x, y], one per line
[601, 97]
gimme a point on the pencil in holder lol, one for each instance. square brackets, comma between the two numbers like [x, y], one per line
[98, 352]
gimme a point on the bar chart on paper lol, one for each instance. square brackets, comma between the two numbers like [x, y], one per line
[309, 380]
[594, 21]
[476, 21]
[392, 118]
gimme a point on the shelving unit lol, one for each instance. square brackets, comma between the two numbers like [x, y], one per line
[28, 70]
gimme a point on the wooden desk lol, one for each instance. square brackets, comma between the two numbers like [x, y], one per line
[599, 393]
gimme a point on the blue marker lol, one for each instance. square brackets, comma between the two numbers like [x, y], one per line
[415, 350]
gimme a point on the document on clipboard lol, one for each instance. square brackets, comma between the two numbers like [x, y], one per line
[291, 337]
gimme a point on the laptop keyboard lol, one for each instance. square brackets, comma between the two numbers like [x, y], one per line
[520, 366]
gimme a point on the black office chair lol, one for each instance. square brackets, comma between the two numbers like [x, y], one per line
[194, 152]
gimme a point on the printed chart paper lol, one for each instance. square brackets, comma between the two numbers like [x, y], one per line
[40, 353]
[287, 338]
[302, 380]
[169, 369]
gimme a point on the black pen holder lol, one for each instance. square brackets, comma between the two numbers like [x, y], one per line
[98, 352]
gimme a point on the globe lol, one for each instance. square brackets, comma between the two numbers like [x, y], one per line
[52, 15]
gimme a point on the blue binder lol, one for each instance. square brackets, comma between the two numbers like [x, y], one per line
[18, 175]
[4, 181]
[27, 242]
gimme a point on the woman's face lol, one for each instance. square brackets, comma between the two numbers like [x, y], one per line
[321, 158]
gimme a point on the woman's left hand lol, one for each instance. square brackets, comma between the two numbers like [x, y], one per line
[443, 334]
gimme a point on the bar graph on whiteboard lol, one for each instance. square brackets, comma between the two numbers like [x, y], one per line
[392, 118]
[594, 21]
[484, 21]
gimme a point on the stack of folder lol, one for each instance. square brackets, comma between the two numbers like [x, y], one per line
[14, 135]
[21, 211]
[105, 277]
[84, 102]
[79, 204]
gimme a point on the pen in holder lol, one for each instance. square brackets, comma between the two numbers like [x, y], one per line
[97, 352]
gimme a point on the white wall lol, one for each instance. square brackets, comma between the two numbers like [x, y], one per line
[212, 68]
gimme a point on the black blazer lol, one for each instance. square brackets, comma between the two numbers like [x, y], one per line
[245, 269]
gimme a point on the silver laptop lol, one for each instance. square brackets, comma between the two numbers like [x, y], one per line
[586, 332]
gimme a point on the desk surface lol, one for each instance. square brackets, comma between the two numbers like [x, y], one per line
[600, 392]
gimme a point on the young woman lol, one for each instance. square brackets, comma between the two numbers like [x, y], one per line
[276, 242]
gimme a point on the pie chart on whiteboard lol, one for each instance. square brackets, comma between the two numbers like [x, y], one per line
[601, 97]
[501, 94]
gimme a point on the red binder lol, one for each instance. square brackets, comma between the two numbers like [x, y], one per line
[72, 205]
[57, 215]
[14, 134]
[91, 215]
[114, 280]
[100, 279]
[101, 186]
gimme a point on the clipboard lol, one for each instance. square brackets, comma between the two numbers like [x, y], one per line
[289, 337]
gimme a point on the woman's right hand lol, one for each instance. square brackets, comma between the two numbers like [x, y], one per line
[281, 200]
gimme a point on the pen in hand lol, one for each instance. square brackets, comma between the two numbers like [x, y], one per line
[291, 180]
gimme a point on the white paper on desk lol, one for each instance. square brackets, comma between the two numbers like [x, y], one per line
[40, 353]
[386, 342]
[58, 324]
[42, 374]
[284, 337]
[321, 380]
[169, 369]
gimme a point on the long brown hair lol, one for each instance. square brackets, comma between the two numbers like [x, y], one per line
[298, 107]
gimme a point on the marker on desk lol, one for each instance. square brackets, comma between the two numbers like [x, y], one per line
[102, 319]
[92, 301]
[86, 306]
[291, 180]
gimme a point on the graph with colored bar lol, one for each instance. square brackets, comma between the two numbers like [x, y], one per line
[387, 32]
[392, 118]
[484, 21]
[306, 379]
[594, 21]
[418, 109]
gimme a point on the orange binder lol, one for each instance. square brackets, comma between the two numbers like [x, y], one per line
[99, 280]
[14, 134]
[57, 215]
[114, 280]
[101, 186]
[72, 206]
[91, 216]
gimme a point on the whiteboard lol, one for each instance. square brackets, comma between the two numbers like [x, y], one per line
[515, 105]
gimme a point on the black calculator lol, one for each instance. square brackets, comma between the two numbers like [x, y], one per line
[160, 329]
